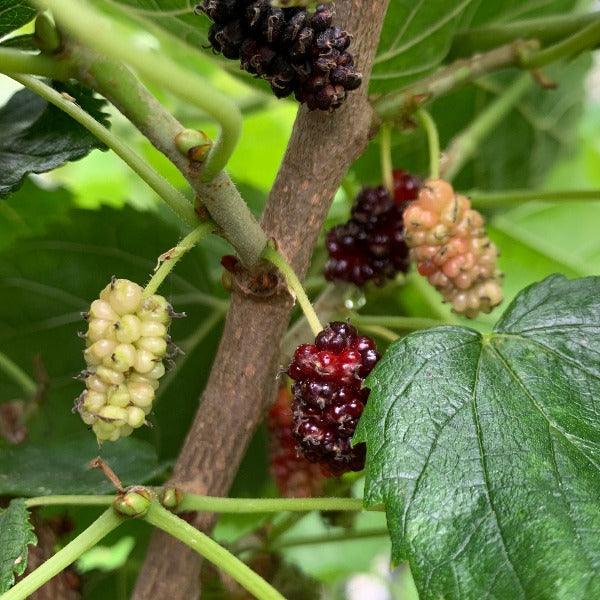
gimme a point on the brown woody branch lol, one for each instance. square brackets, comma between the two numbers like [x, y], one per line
[244, 375]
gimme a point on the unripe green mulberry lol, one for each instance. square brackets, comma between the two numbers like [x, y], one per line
[127, 340]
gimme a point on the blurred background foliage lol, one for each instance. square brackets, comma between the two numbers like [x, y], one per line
[64, 234]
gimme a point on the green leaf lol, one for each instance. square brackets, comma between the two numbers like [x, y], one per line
[16, 533]
[61, 467]
[485, 450]
[38, 137]
[30, 210]
[415, 39]
[13, 15]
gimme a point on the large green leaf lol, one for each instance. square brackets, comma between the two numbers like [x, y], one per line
[47, 280]
[16, 533]
[37, 137]
[14, 14]
[61, 467]
[485, 450]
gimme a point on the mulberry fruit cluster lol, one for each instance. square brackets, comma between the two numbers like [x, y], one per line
[450, 246]
[126, 343]
[329, 396]
[371, 245]
[294, 475]
[298, 52]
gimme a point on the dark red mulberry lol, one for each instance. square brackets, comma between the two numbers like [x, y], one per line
[294, 476]
[329, 396]
[371, 246]
[296, 51]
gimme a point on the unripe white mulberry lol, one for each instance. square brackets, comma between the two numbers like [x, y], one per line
[448, 242]
[127, 341]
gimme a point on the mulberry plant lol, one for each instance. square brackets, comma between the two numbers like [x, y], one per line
[480, 443]
[297, 51]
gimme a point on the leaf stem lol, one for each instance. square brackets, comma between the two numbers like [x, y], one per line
[193, 502]
[294, 286]
[102, 526]
[176, 201]
[582, 40]
[76, 500]
[14, 61]
[397, 322]
[433, 141]
[17, 374]
[385, 148]
[462, 148]
[341, 536]
[514, 197]
[209, 549]
[112, 39]
[548, 30]
[406, 100]
[171, 257]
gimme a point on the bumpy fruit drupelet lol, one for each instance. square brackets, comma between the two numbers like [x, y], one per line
[126, 342]
[329, 396]
[298, 52]
[450, 246]
[371, 246]
[294, 475]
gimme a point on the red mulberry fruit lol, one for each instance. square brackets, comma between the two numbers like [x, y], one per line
[294, 475]
[329, 396]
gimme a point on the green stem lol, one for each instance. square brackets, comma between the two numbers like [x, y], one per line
[385, 141]
[69, 500]
[433, 140]
[172, 257]
[193, 502]
[102, 526]
[14, 61]
[585, 39]
[17, 375]
[406, 100]
[107, 36]
[396, 322]
[342, 536]
[176, 201]
[381, 331]
[515, 197]
[465, 144]
[547, 30]
[209, 549]
[295, 287]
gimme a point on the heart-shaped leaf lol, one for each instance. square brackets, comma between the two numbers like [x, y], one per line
[485, 450]
[16, 533]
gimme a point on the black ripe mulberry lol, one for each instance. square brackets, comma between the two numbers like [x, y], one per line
[371, 245]
[329, 396]
[297, 51]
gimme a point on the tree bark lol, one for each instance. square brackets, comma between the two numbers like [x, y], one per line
[244, 376]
